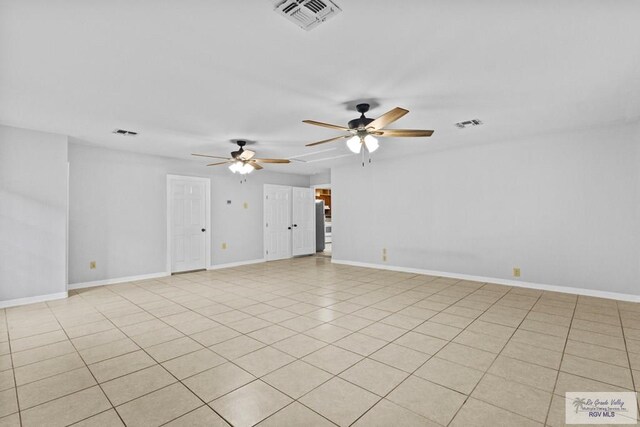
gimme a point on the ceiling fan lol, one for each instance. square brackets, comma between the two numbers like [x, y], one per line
[363, 130]
[242, 161]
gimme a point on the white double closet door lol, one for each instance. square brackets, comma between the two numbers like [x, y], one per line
[289, 221]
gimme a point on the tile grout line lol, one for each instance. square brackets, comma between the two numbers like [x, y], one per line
[564, 348]
[291, 403]
[13, 370]
[626, 348]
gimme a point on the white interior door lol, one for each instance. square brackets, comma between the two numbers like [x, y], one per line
[304, 221]
[188, 223]
[277, 217]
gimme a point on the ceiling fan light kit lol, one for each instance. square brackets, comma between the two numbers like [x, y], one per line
[241, 168]
[356, 142]
[371, 142]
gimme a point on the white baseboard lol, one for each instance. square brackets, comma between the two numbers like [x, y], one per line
[507, 282]
[32, 300]
[236, 264]
[117, 280]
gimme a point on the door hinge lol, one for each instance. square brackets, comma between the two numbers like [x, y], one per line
[267, 252]
[267, 225]
[266, 197]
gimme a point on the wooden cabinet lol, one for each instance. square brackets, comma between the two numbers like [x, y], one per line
[325, 194]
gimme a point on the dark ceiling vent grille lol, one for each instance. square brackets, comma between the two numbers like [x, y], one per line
[124, 132]
[315, 6]
[468, 123]
[306, 14]
[289, 8]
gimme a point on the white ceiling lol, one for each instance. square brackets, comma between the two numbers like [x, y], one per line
[189, 75]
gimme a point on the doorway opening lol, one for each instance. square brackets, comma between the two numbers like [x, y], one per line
[324, 209]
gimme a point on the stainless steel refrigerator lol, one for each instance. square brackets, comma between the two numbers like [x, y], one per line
[320, 225]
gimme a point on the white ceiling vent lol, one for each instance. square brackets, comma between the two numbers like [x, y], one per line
[306, 14]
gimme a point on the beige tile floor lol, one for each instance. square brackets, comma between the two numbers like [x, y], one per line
[305, 342]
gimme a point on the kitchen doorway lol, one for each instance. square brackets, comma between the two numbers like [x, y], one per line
[323, 219]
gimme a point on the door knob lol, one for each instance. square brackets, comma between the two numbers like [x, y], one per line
[204, 229]
[288, 228]
[295, 225]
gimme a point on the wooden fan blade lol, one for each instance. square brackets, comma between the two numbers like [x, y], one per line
[213, 157]
[216, 164]
[388, 118]
[256, 166]
[271, 160]
[325, 125]
[327, 140]
[403, 132]
[246, 155]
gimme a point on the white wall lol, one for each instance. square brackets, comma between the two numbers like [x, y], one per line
[564, 208]
[33, 213]
[320, 178]
[118, 212]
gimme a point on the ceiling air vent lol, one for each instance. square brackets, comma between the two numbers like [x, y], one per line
[468, 123]
[125, 132]
[306, 14]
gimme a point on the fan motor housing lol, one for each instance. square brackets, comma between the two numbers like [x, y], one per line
[241, 143]
[360, 122]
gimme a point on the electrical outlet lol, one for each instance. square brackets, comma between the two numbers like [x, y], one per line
[516, 271]
[92, 265]
[384, 258]
[246, 205]
[384, 254]
[224, 246]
